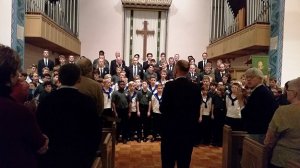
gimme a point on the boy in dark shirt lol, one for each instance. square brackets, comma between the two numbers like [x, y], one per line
[144, 109]
[120, 104]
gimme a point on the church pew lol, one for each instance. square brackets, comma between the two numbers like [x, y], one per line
[97, 162]
[255, 153]
[232, 147]
[107, 148]
[106, 152]
[112, 132]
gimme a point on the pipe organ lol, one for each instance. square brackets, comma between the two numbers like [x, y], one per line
[227, 18]
[63, 12]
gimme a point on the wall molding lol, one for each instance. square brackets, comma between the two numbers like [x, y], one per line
[147, 4]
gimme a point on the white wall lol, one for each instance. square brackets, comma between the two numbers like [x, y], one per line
[291, 41]
[5, 20]
[188, 28]
[101, 27]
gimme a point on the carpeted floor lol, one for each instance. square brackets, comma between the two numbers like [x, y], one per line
[147, 155]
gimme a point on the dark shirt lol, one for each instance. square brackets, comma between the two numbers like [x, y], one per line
[121, 99]
[20, 136]
[71, 121]
[259, 110]
[219, 106]
[144, 97]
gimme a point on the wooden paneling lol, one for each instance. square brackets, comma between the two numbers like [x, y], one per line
[41, 31]
[232, 147]
[250, 40]
[255, 154]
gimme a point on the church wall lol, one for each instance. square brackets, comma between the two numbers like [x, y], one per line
[188, 28]
[5, 17]
[101, 28]
[291, 41]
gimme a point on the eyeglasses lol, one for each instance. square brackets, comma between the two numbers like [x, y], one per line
[290, 90]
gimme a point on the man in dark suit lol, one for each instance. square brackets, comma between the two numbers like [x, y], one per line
[219, 73]
[101, 56]
[103, 70]
[45, 62]
[170, 67]
[70, 120]
[180, 108]
[135, 69]
[118, 62]
[148, 61]
[201, 64]
[260, 106]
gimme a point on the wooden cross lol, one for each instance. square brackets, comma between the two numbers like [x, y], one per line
[145, 32]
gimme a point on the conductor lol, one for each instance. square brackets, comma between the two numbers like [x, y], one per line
[180, 108]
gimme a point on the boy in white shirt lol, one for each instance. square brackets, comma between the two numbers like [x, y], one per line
[155, 102]
[133, 118]
[206, 115]
[233, 115]
[107, 90]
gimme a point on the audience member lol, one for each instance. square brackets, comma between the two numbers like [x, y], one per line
[20, 89]
[21, 139]
[261, 105]
[71, 121]
[87, 85]
[283, 134]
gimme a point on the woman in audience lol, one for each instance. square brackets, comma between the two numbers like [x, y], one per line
[21, 138]
[283, 134]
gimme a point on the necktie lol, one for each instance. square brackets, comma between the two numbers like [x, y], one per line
[170, 67]
[134, 71]
[101, 71]
[46, 62]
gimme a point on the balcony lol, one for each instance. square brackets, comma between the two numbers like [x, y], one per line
[250, 40]
[53, 24]
[42, 31]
